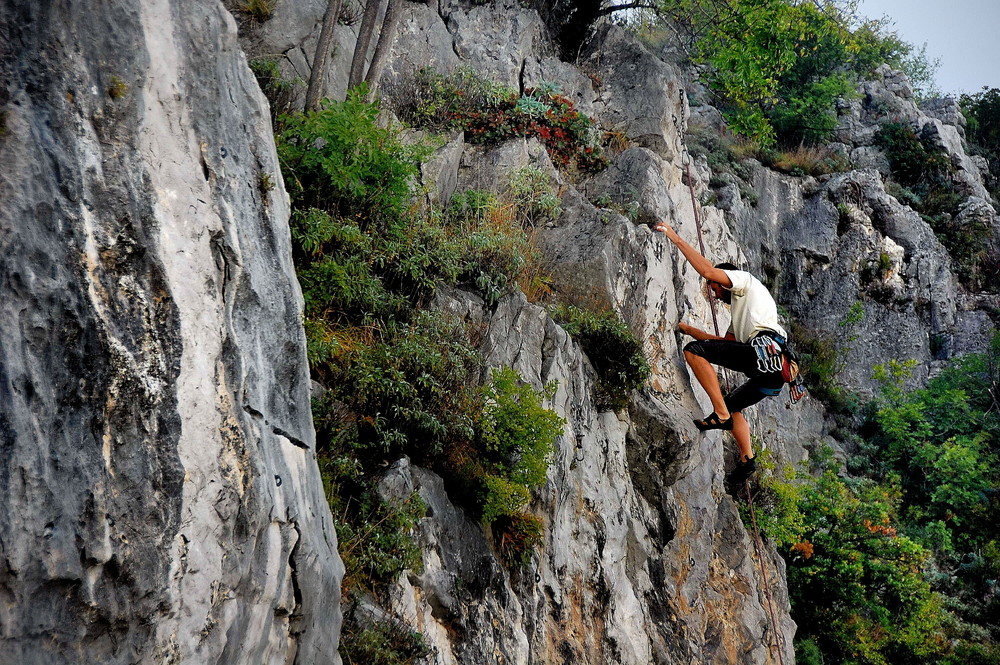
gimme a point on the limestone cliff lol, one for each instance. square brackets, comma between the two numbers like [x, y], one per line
[160, 499]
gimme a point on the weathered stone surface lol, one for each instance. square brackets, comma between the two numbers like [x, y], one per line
[828, 250]
[640, 94]
[641, 563]
[498, 38]
[423, 40]
[947, 110]
[160, 498]
[635, 179]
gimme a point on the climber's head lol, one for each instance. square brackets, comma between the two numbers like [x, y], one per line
[721, 292]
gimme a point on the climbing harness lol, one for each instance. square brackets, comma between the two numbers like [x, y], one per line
[770, 354]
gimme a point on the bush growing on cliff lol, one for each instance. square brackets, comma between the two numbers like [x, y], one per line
[280, 91]
[855, 583]
[926, 179]
[385, 642]
[339, 160]
[901, 566]
[982, 113]
[402, 380]
[490, 114]
[613, 349]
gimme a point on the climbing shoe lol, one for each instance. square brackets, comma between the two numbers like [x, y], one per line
[712, 421]
[742, 472]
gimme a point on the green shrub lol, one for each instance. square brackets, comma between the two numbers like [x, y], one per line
[515, 432]
[381, 643]
[339, 160]
[855, 584]
[533, 194]
[502, 498]
[777, 68]
[518, 536]
[777, 497]
[982, 113]
[807, 652]
[613, 349]
[942, 441]
[373, 535]
[280, 91]
[410, 390]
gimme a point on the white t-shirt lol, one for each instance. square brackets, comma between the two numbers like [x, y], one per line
[752, 307]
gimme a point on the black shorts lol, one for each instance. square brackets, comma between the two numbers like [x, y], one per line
[765, 376]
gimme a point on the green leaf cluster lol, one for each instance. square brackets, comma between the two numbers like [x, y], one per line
[380, 642]
[401, 379]
[941, 440]
[856, 584]
[515, 431]
[778, 67]
[901, 566]
[613, 349]
[982, 131]
[342, 161]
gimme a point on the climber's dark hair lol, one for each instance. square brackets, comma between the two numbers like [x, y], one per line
[726, 265]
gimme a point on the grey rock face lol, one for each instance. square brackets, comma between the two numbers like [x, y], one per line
[636, 178]
[160, 498]
[641, 562]
[844, 243]
[640, 95]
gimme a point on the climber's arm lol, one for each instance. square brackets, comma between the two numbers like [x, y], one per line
[697, 261]
[700, 334]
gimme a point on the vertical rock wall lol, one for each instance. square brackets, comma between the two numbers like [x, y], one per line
[160, 498]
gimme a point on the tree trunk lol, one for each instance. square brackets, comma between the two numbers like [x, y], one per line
[365, 33]
[385, 38]
[322, 57]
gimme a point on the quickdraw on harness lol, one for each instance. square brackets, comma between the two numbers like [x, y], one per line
[786, 361]
[775, 355]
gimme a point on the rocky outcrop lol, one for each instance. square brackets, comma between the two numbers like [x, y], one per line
[889, 97]
[161, 501]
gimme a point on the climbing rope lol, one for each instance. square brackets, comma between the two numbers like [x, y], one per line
[759, 546]
[701, 239]
[758, 543]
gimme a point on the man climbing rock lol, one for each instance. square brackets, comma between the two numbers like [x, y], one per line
[753, 346]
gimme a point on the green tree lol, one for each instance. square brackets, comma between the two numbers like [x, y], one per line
[982, 113]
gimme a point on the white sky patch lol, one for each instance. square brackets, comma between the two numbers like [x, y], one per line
[963, 33]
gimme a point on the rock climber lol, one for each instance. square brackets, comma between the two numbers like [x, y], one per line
[753, 345]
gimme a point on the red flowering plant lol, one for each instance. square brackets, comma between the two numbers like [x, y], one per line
[490, 114]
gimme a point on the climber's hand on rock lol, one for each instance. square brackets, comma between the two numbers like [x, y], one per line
[666, 229]
[686, 329]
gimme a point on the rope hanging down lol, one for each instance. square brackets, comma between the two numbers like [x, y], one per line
[701, 240]
[758, 543]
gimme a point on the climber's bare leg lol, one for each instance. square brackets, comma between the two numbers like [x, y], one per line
[709, 380]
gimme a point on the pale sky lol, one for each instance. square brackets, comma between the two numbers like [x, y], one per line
[965, 34]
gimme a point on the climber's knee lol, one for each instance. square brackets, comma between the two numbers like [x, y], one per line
[695, 348]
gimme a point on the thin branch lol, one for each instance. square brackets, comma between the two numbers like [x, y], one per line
[617, 8]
